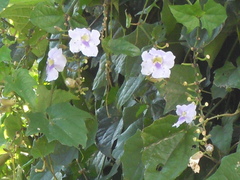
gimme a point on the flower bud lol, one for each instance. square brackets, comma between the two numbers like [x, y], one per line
[70, 82]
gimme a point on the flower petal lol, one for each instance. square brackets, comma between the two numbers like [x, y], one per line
[52, 74]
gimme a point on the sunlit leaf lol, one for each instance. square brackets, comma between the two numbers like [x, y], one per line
[5, 54]
[21, 83]
[46, 16]
[64, 123]
[13, 124]
[3, 4]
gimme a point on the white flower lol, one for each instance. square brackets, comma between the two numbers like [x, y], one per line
[85, 41]
[157, 63]
[186, 114]
[55, 63]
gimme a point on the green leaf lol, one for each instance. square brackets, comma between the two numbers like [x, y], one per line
[167, 18]
[167, 149]
[100, 79]
[109, 128]
[4, 70]
[61, 157]
[5, 54]
[173, 90]
[64, 123]
[121, 46]
[187, 14]
[13, 124]
[214, 47]
[3, 4]
[214, 16]
[128, 88]
[128, 133]
[41, 147]
[218, 92]
[46, 16]
[227, 76]
[221, 136]
[38, 42]
[133, 167]
[20, 15]
[229, 168]
[47, 97]
[21, 83]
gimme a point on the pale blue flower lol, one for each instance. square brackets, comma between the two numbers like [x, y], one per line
[55, 63]
[157, 63]
[186, 113]
[85, 41]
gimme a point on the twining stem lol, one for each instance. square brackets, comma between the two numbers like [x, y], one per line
[222, 115]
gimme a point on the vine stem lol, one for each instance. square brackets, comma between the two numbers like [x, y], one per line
[223, 115]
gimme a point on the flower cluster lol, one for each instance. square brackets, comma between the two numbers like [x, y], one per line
[85, 41]
[186, 114]
[81, 40]
[55, 63]
[157, 63]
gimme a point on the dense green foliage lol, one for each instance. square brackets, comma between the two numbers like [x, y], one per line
[102, 118]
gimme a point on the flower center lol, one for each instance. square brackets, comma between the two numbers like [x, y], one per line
[50, 62]
[157, 60]
[184, 113]
[85, 37]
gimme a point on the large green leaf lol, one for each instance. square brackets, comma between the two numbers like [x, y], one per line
[122, 46]
[21, 83]
[20, 15]
[133, 168]
[167, 149]
[229, 168]
[173, 90]
[46, 16]
[228, 76]
[211, 16]
[214, 16]
[63, 122]
[188, 15]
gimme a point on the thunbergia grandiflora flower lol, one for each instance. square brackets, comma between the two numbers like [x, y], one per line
[55, 63]
[157, 63]
[85, 41]
[186, 114]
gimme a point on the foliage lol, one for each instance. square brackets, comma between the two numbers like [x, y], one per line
[101, 118]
